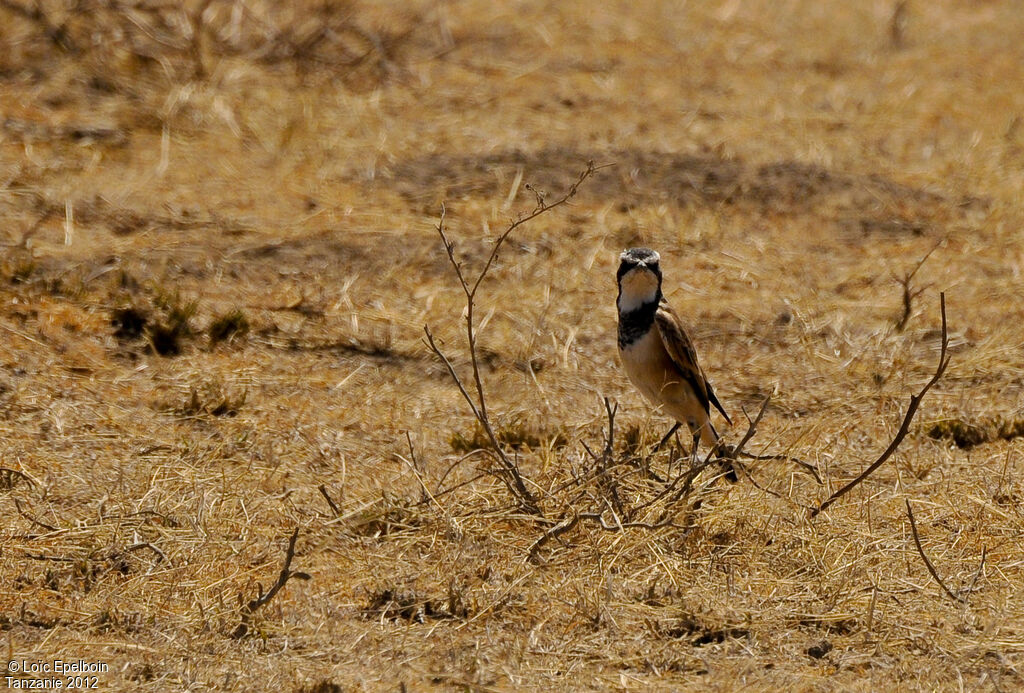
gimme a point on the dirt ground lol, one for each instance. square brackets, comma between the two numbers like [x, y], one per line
[220, 253]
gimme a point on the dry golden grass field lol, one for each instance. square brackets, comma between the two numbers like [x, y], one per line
[220, 253]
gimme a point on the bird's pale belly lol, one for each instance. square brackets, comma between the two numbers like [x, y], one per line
[649, 367]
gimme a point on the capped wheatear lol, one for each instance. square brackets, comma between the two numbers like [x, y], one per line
[658, 357]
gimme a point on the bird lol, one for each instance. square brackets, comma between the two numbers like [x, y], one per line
[657, 355]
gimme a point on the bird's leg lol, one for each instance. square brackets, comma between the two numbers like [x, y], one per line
[668, 435]
[726, 455]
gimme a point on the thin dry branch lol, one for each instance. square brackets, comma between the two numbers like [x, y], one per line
[915, 402]
[508, 469]
[286, 574]
[977, 574]
[9, 478]
[45, 557]
[330, 501]
[810, 468]
[196, 45]
[161, 556]
[567, 524]
[910, 294]
[608, 482]
[924, 557]
[751, 429]
[417, 469]
[50, 528]
[451, 371]
[738, 451]
[452, 467]
[667, 437]
[541, 208]
[682, 484]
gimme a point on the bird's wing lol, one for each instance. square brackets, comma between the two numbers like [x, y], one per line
[684, 356]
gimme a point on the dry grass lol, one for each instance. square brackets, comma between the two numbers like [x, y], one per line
[221, 254]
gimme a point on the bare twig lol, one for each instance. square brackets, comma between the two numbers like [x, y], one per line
[17, 504]
[981, 567]
[439, 493]
[36, 225]
[509, 470]
[417, 469]
[161, 556]
[910, 294]
[733, 453]
[810, 468]
[682, 484]
[619, 526]
[452, 467]
[286, 574]
[330, 501]
[584, 479]
[751, 430]
[924, 557]
[915, 402]
[568, 524]
[666, 437]
[451, 371]
[730, 455]
[196, 44]
[9, 478]
[678, 488]
[44, 557]
[608, 482]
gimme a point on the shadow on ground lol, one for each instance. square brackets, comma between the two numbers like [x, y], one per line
[864, 203]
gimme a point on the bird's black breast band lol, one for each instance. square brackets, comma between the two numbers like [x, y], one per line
[636, 323]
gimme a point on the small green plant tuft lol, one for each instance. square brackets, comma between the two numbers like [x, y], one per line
[969, 434]
[964, 434]
[516, 435]
[167, 334]
[228, 327]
